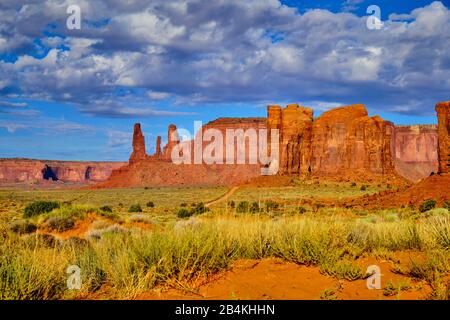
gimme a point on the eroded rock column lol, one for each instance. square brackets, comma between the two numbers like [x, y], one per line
[138, 153]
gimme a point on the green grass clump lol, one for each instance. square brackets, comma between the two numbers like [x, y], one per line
[392, 289]
[39, 207]
[135, 208]
[427, 205]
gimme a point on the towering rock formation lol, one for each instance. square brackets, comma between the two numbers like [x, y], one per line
[443, 114]
[158, 152]
[138, 153]
[295, 125]
[343, 143]
[347, 142]
[172, 140]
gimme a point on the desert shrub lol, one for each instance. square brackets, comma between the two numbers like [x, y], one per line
[76, 243]
[242, 207]
[183, 204]
[135, 208]
[363, 187]
[301, 210]
[39, 207]
[318, 206]
[427, 205]
[23, 227]
[60, 224]
[44, 240]
[353, 184]
[254, 208]
[150, 204]
[106, 209]
[140, 218]
[271, 205]
[392, 289]
[184, 213]
[341, 269]
[231, 204]
[199, 208]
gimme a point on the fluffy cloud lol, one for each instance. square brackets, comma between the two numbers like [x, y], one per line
[222, 51]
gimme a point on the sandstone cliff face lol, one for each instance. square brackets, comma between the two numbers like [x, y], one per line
[416, 151]
[295, 125]
[347, 142]
[36, 171]
[138, 153]
[443, 114]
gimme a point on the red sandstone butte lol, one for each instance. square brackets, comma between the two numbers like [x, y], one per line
[443, 114]
[347, 143]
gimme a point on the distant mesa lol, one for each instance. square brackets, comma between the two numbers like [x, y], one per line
[42, 171]
[343, 144]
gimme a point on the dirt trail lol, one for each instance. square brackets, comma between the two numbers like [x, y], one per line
[224, 197]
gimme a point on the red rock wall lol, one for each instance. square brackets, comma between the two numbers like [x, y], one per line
[416, 151]
[295, 125]
[347, 142]
[443, 114]
[33, 171]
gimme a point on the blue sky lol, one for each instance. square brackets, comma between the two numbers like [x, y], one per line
[75, 94]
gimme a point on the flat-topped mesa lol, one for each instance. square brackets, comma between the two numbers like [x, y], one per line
[138, 153]
[443, 114]
[347, 142]
[172, 140]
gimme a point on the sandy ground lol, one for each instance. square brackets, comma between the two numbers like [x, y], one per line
[275, 279]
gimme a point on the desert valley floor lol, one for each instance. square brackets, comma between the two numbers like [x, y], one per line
[295, 239]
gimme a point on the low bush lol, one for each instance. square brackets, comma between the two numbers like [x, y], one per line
[271, 205]
[363, 187]
[135, 208]
[427, 205]
[199, 208]
[301, 210]
[60, 224]
[106, 209]
[254, 208]
[184, 213]
[23, 227]
[231, 204]
[150, 204]
[39, 207]
[242, 207]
